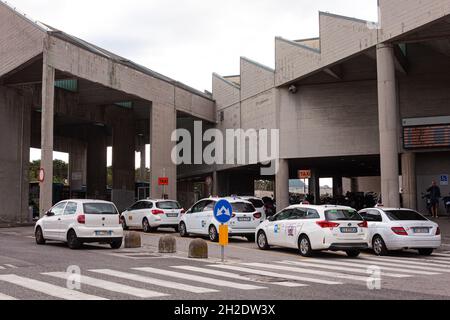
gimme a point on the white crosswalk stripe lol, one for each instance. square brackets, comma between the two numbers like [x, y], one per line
[4, 297]
[275, 274]
[110, 286]
[304, 270]
[424, 266]
[230, 275]
[154, 281]
[214, 281]
[344, 267]
[47, 288]
[2, 268]
[441, 255]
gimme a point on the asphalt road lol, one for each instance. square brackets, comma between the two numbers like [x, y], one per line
[28, 271]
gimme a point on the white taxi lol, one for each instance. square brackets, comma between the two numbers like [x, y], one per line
[314, 228]
[199, 220]
[149, 215]
[81, 221]
[401, 229]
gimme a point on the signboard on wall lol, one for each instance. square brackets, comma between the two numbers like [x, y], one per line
[163, 181]
[444, 180]
[304, 174]
[420, 137]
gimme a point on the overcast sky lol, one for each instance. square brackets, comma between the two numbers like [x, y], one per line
[188, 40]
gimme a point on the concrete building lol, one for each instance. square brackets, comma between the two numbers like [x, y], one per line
[365, 101]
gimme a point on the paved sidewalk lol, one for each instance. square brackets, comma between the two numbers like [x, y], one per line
[444, 224]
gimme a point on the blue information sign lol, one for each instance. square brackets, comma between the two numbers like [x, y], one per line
[223, 211]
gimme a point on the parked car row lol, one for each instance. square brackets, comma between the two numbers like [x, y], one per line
[308, 228]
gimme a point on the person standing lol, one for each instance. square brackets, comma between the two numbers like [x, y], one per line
[435, 195]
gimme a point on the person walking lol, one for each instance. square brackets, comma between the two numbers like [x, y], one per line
[435, 195]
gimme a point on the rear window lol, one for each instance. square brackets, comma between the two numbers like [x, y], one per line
[404, 215]
[168, 205]
[343, 215]
[243, 207]
[256, 203]
[99, 208]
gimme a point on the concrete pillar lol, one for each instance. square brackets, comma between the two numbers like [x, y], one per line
[143, 169]
[96, 163]
[354, 185]
[314, 186]
[389, 125]
[215, 184]
[337, 186]
[163, 122]
[282, 185]
[48, 106]
[123, 160]
[409, 180]
[77, 166]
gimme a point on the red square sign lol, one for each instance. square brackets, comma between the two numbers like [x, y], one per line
[163, 181]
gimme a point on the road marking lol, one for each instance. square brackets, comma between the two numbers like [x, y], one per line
[233, 275]
[4, 297]
[2, 268]
[213, 281]
[110, 286]
[47, 288]
[410, 264]
[441, 255]
[156, 282]
[275, 274]
[11, 266]
[344, 267]
[429, 261]
[304, 270]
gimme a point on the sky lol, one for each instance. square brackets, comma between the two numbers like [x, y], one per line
[188, 40]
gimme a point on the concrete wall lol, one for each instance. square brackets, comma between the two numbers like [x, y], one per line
[255, 78]
[14, 155]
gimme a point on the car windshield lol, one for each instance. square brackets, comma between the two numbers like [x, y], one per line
[343, 215]
[404, 215]
[243, 207]
[257, 203]
[168, 205]
[99, 208]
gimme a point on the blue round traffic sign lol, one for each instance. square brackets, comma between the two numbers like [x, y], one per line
[223, 211]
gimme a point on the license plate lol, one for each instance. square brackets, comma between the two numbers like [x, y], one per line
[421, 230]
[349, 230]
[172, 215]
[103, 233]
[244, 219]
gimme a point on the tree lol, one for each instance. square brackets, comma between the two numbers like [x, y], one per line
[60, 171]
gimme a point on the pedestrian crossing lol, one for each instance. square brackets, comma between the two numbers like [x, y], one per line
[209, 280]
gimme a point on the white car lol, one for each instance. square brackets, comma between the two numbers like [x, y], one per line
[258, 203]
[399, 229]
[149, 215]
[315, 228]
[200, 219]
[81, 221]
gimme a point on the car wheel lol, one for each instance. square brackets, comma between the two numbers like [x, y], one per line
[146, 226]
[116, 244]
[353, 253]
[250, 238]
[182, 230]
[39, 235]
[213, 234]
[263, 244]
[426, 252]
[379, 247]
[72, 240]
[124, 223]
[304, 245]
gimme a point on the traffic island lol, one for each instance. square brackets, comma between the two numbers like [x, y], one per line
[167, 244]
[198, 249]
[132, 240]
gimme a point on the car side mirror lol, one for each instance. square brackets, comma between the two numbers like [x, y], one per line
[49, 214]
[271, 218]
[189, 211]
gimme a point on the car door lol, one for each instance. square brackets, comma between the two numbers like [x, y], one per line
[53, 221]
[274, 231]
[192, 219]
[132, 215]
[205, 218]
[292, 226]
[374, 221]
[68, 217]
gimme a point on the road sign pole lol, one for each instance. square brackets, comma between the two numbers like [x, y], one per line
[223, 212]
[222, 251]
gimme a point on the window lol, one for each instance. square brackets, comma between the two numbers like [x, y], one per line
[342, 215]
[168, 205]
[404, 215]
[257, 203]
[297, 214]
[243, 207]
[371, 216]
[147, 205]
[199, 206]
[137, 206]
[71, 208]
[283, 215]
[210, 206]
[99, 208]
[58, 209]
[312, 214]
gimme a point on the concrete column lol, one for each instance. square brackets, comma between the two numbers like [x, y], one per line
[314, 186]
[96, 163]
[215, 183]
[123, 160]
[77, 166]
[389, 125]
[354, 185]
[142, 169]
[282, 185]
[163, 122]
[48, 106]
[337, 186]
[409, 180]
